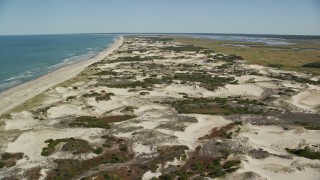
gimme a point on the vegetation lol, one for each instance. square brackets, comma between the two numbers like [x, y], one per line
[95, 122]
[291, 77]
[278, 66]
[71, 168]
[9, 159]
[28, 105]
[135, 58]
[99, 150]
[197, 166]
[228, 58]
[308, 126]
[144, 93]
[292, 56]
[305, 152]
[215, 106]
[148, 82]
[98, 96]
[191, 48]
[76, 146]
[128, 109]
[32, 173]
[312, 65]
[207, 81]
[158, 39]
[104, 73]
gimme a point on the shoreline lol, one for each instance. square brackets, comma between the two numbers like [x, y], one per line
[15, 96]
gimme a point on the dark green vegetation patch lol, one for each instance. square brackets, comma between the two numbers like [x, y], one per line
[135, 58]
[228, 58]
[9, 159]
[99, 96]
[76, 146]
[207, 81]
[191, 48]
[111, 154]
[214, 106]
[98, 122]
[305, 152]
[312, 65]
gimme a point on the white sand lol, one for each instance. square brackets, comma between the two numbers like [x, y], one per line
[249, 90]
[245, 78]
[105, 106]
[192, 90]
[21, 121]
[149, 175]
[293, 85]
[31, 143]
[308, 100]
[274, 168]
[19, 94]
[245, 89]
[139, 148]
[194, 131]
[64, 110]
[254, 66]
[275, 139]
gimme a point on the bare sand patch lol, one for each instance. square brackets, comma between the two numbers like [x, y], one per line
[21, 121]
[31, 143]
[275, 139]
[194, 131]
[65, 110]
[308, 100]
[275, 168]
[245, 78]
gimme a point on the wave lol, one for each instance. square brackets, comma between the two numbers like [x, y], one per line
[72, 60]
[8, 85]
[24, 75]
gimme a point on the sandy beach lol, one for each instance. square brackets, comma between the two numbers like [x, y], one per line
[19, 94]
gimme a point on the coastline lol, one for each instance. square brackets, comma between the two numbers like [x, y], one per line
[23, 92]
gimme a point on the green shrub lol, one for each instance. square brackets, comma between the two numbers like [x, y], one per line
[191, 48]
[312, 65]
[76, 146]
[278, 66]
[230, 164]
[99, 150]
[123, 147]
[306, 152]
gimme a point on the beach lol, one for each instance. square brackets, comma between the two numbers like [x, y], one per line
[19, 94]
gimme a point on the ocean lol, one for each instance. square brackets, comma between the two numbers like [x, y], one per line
[27, 57]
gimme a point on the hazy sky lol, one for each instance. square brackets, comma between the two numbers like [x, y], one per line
[198, 16]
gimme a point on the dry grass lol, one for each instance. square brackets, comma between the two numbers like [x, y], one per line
[28, 105]
[258, 53]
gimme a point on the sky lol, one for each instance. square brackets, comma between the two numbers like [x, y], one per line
[297, 17]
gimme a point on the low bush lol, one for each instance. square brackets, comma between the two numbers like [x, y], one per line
[312, 65]
[94, 122]
[76, 146]
[278, 66]
[305, 152]
[191, 48]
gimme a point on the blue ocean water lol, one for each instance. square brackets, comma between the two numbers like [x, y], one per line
[24, 58]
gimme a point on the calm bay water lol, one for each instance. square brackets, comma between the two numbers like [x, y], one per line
[24, 58]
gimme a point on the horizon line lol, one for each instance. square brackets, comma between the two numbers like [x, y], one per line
[159, 33]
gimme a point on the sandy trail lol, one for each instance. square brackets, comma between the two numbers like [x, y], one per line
[23, 92]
